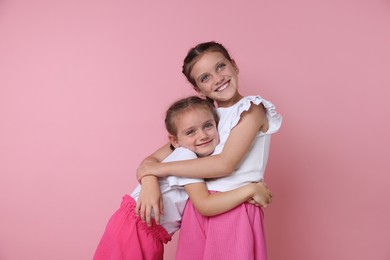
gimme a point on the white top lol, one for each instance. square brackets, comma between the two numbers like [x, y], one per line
[252, 167]
[174, 196]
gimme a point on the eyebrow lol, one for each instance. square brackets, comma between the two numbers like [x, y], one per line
[211, 120]
[187, 129]
[208, 121]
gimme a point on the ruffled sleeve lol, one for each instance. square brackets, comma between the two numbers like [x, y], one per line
[274, 119]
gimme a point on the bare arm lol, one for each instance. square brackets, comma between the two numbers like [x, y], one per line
[236, 147]
[220, 202]
[159, 155]
[150, 198]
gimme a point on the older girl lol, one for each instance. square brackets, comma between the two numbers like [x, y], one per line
[245, 128]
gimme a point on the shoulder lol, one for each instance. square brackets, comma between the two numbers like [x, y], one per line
[251, 106]
[180, 154]
[253, 111]
[267, 113]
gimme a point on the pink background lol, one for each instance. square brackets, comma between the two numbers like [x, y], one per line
[83, 90]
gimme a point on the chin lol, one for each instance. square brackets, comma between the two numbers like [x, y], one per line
[205, 154]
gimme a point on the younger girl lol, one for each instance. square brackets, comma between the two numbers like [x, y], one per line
[245, 128]
[192, 126]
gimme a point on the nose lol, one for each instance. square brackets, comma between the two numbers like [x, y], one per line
[218, 78]
[203, 135]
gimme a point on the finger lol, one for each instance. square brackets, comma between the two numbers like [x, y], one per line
[147, 216]
[251, 201]
[161, 207]
[142, 213]
[157, 215]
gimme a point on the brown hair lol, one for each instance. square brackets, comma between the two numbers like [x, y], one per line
[195, 53]
[183, 105]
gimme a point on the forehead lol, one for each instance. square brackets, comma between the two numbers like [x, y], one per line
[193, 116]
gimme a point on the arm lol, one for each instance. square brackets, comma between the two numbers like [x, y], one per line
[220, 202]
[158, 155]
[236, 147]
[150, 198]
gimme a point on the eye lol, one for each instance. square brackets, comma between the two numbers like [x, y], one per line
[221, 66]
[190, 132]
[208, 125]
[204, 78]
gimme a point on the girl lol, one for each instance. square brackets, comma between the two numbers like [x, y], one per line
[246, 124]
[192, 128]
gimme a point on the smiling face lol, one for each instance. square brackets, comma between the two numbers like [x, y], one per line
[196, 131]
[217, 78]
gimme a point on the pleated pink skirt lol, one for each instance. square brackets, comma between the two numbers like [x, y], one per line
[126, 237]
[236, 234]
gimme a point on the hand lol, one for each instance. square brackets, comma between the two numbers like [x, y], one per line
[149, 200]
[253, 202]
[147, 168]
[262, 195]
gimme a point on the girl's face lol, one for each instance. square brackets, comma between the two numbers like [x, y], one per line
[217, 78]
[196, 131]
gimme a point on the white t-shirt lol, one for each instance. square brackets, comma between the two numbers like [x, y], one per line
[252, 167]
[174, 196]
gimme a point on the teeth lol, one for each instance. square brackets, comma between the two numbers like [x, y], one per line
[222, 87]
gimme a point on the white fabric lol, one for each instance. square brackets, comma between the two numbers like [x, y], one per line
[250, 170]
[252, 167]
[174, 196]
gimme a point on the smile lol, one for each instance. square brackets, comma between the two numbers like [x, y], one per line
[204, 144]
[223, 87]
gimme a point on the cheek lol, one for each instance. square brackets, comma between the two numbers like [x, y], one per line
[204, 87]
[182, 141]
[217, 137]
[188, 140]
[214, 133]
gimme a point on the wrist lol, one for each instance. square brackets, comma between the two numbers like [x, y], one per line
[147, 179]
[160, 170]
[253, 189]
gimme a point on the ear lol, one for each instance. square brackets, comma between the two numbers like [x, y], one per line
[233, 62]
[173, 141]
[200, 94]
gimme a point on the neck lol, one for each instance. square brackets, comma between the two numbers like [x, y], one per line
[228, 103]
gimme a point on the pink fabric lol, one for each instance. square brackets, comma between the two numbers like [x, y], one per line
[126, 237]
[236, 234]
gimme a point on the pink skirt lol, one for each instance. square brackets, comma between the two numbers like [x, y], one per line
[127, 237]
[236, 234]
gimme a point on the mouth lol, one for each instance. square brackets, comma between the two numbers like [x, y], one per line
[205, 143]
[222, 87]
